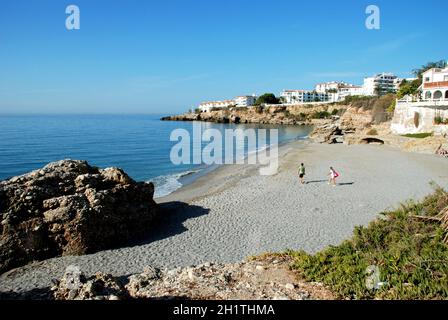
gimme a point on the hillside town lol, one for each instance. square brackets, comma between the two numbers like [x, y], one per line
[420, 110]
[326, 92]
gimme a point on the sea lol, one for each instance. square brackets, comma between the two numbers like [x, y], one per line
[139, 144]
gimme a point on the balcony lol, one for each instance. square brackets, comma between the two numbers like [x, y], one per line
[437, 84]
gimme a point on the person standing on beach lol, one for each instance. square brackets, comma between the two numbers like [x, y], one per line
[333, 175]
[302, 173]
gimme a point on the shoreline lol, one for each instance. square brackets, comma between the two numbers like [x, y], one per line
[233, 213]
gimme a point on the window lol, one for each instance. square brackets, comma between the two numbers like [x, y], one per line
[427, 79]
[438, 94]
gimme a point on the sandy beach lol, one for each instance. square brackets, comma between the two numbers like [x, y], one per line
[233, 212]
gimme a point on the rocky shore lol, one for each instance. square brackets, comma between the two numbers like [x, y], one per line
[259, 278]
[285, 115]
[70, 208]
[359, 122]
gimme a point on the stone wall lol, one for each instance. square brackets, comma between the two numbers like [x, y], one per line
[410, 118]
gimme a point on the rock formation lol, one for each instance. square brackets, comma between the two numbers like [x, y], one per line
[70, 208]
[266, 277]
[286, 115]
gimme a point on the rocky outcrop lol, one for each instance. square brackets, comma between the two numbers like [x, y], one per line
[353, 121]
[431, 145]
[327, 133]
[70, 208]
[267, 277]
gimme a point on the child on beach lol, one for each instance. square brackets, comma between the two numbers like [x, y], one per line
[302, 173]
[333, 175]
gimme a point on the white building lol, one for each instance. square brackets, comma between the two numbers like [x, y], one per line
[208, 106]
[327, 86]
[435, 84]
[428, 113]
[245, 101]
[380, 83]
[303, 96]
[351, 90]
[339, 90]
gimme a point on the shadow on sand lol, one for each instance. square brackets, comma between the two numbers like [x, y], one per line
[322, 181]
[345, 183]
[315, 181]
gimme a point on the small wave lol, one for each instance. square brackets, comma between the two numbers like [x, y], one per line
[167, 184]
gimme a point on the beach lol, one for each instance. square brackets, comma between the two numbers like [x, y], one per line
[233, 212]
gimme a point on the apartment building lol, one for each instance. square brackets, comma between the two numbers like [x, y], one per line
[380, 84]
[245, 101]
[208, 106]
[303, 96]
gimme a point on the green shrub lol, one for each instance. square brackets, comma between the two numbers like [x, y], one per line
[409, 252]
[418, 135]
[320, 115]
[392, 106]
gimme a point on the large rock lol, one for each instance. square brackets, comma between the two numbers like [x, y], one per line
[327, 133]
[70, 208]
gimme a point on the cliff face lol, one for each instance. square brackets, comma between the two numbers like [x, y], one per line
[289, 115]
[70, 208]
[353, 121]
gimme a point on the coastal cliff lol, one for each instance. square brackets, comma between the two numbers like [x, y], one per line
[286, 115]
[70, 208]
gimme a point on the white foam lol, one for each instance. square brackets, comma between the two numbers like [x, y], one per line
[165, 185]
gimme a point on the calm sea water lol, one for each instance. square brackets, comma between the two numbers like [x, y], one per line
[139, 144]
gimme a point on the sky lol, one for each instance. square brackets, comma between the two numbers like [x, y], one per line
[167, 56]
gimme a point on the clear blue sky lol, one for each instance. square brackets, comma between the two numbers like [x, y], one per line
[166, 56]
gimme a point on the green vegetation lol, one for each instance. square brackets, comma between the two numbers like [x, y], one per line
[437, 64]
[267, 98]
[411, 87]
[418, 135]
[335, 112]
[408, 88]
[392, 106]
[439, 120]
[320, 115]
[408, 245]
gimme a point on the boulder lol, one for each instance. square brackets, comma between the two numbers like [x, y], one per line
[70, 208]
[75, 286]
